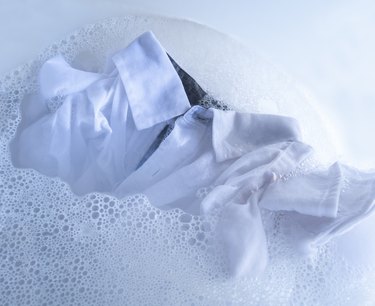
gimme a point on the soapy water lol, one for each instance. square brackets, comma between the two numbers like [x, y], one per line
[57, 248]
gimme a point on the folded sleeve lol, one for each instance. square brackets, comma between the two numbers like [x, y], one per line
[241, 232]
[236, 197]
[323, 203]
[316, 193]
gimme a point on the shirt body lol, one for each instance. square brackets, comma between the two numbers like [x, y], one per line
[92, 130]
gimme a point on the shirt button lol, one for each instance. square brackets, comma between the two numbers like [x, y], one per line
[274, 177]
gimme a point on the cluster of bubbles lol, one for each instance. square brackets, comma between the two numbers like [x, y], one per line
[57, 248]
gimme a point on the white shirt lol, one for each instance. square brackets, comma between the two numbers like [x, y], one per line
[213, 160]
[105, 123]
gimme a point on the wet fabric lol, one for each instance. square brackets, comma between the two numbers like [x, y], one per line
[134, 130]
[214, 160]
[325, 202]
[103, 123]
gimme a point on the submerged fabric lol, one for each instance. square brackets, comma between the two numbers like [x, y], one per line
[133, 130]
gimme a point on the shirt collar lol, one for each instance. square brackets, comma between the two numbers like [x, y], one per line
[56, 77]
[235, 134]
[153, 87]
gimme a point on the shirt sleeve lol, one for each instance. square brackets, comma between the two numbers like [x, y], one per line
[323, 203]
[236, 197]
[242, 235]
[315, 193]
